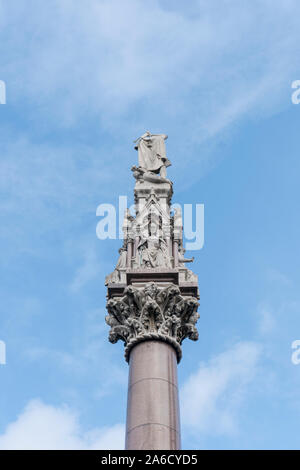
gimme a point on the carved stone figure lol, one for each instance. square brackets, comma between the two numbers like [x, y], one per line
[141, 175]
[152, 153]
[181, 259]
[127, 223]
[178, 223]
[152, 249]
[115, 276]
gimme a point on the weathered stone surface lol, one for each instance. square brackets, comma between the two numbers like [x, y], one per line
[152, 302]
[152, 313]
[152, 153]
[151, 292]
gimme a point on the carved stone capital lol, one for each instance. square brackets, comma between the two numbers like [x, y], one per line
[152, 313]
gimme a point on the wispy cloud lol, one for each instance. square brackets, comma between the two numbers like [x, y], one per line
[41, 426]
[212, 397]
[190, 72]
[164, 63]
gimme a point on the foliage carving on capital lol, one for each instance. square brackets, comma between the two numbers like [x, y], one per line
[152, 312]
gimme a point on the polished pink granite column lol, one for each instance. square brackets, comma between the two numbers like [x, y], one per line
[153, 406]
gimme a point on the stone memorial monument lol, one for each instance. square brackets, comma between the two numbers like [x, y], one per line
[152, 302]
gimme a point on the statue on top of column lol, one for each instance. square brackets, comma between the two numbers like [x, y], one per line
[152, 156]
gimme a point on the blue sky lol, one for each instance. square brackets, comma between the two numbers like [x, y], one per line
[83, 81]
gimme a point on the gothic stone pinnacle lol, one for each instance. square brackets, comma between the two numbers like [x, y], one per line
[152, 294]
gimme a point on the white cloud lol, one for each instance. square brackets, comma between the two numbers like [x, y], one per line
[207, 69]
[41, 427]
[212, 396]
[189, 72]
